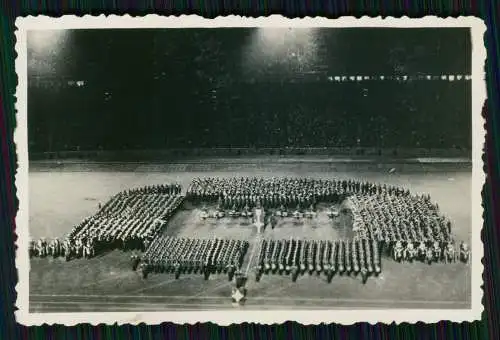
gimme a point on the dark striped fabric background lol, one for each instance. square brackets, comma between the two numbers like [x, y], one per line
[488, 328]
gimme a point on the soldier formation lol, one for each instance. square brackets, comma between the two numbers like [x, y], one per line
[130, 220]
[408, 226]
[188, 255]
[297, 257]
[385, 219]
[391, 218]
[283, 193]
[269, 193]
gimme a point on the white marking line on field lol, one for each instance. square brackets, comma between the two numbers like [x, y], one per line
[255, 298]
[212, 289]
[41, 266]
[467, 280]
[112, 308]
[127, 296]
[183, 308]
[105, 303]
[89, 263]
[154, 286]
[279, 289]
[162, 306]
[257, 244]
[112, 303]
[105, 280]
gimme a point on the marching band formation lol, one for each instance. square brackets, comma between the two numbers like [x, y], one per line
[296, 257]
[188, 255]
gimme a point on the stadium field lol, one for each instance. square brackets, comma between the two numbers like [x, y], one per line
[63, 193]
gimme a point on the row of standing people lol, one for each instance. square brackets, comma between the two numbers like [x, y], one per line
[281, 191]
[429, 253]
[61, 248]
[410, 227]
[189, 255]
[129, 220]
[43, 248]
[272, 217]
[133, 225]
[295, 257]
[170, 189]
[392, 218]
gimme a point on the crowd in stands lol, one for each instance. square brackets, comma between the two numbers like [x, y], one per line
[341, 117]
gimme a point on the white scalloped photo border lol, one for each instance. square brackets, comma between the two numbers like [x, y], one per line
[227, 317]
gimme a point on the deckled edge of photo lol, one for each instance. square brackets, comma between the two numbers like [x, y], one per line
[236, 316]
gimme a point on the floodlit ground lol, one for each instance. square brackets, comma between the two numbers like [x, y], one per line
[63, 194]
[188, 222]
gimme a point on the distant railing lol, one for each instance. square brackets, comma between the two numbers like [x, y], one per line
[167, 154]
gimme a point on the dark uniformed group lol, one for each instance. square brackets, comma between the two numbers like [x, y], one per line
[130, 220]
[189, 255]
[296, 257]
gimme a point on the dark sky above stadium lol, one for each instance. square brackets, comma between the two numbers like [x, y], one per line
[246, 86]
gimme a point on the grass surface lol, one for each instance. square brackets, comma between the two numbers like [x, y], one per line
[63, 194]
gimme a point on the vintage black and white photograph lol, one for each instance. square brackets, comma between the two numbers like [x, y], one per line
[249, 169]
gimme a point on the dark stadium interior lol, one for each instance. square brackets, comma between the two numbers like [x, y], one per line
[205, 88]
